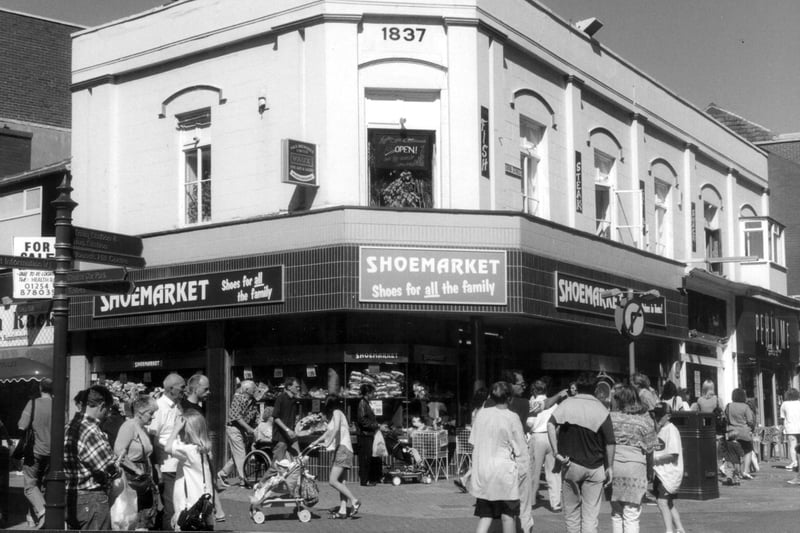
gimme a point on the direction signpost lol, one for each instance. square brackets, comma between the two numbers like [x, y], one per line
[37, 263]
[90, 288]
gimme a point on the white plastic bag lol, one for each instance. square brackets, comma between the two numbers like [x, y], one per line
[123, 505]
[379, 446]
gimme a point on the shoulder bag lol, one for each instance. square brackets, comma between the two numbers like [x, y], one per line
[200, 516]
[24, 448]
[137, 473]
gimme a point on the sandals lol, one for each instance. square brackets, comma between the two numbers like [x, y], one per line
[356, 507]
[336, 515]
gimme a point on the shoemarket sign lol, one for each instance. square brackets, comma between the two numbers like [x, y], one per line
[201, 291]
[573, 293]
[432, 276]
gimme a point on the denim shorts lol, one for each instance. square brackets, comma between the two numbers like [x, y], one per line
[343, 457]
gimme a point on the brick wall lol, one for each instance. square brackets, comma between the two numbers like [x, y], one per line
[784, 184]
[36, 69]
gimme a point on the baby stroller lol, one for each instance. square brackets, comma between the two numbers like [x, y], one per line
[287, 483]
[407, 463]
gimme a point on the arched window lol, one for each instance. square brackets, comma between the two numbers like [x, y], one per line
[712, 224]
[536, 120]
[664, 180]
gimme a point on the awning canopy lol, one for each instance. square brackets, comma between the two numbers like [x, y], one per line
[22, 369]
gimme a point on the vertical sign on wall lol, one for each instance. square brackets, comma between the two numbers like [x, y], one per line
[578, 183]
[484, 142]
[694, 227]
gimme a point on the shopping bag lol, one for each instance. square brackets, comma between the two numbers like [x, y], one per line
[123, 506]
[379, 446]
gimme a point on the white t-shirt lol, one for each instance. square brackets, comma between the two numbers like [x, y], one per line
[790, 412]
[338, 432]
[671, 473]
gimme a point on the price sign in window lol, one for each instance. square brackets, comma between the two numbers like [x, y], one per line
[278, 373]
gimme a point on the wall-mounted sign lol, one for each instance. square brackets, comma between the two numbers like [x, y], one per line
[157, 363]
[219, 289]
[375, 357]
[25, 329]
[694, 227]
[299, 163]
[578, 183]
[513, 171]
[584, 296]
[764, 330]
[484, 142]
[34, 284]
[432, 276]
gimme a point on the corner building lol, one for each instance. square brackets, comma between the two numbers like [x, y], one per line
[427, 191]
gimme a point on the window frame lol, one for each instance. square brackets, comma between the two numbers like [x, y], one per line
[533, 161]
[605, 227]
[26, 211]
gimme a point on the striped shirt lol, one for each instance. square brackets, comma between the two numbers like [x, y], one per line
[87, 455]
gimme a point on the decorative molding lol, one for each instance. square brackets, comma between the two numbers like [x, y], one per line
[106, 79]
[540, 98]
[187, 90]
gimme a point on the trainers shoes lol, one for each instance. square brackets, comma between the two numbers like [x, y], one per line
[791, 466]
[794, 481]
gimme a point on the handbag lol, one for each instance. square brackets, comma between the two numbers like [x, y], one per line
[200, 516]
[24, 448]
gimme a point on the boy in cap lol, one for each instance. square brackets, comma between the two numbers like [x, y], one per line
[668, 467]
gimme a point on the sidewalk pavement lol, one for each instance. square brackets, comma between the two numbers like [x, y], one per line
[766, 504]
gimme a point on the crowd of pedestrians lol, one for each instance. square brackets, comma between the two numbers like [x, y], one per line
[593, 444]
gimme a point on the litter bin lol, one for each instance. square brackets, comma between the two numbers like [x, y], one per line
[699, 440]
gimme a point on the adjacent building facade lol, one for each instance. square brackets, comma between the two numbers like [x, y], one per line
[423, 192]
[34, 151]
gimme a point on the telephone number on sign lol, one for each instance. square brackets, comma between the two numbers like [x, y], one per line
[35, 292]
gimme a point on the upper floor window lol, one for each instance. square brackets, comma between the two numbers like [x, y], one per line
[400, 168]
[532, 158]
[712, 215]
[21, 203]
[763, 239]
[604, 178]
[195, 132]
[663, 217]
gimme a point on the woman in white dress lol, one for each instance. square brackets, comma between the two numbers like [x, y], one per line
[189, 443]
[498, 453]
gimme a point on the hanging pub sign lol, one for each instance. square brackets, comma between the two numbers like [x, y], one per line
[299, 163]
[220, 289]
[484, 142]
[581, 295]
[401, 150]
[432, 275]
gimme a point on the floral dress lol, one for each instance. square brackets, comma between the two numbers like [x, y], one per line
[636, 437]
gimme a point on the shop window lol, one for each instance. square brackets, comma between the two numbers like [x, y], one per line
[21, 203]
[662, 234]
[401, 168]
[195, 131]
[603, 185]
[532, 162]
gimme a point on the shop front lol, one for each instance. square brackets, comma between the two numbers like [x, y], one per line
[426, 325]
[767, 353]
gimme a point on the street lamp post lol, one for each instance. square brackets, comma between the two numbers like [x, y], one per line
[56, 480]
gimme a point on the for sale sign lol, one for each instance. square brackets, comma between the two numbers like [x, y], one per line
[34, 284]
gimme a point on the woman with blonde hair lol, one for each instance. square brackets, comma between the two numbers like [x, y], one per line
[189, 443]
[708, 401]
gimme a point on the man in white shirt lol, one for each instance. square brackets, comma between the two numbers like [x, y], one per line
[164, 418]
[541, 453]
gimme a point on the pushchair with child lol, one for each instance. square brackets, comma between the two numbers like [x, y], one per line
[407, 464]
[287, 483]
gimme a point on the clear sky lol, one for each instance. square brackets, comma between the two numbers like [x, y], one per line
[743, 55]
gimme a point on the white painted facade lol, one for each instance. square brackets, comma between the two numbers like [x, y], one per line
[654, 167]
